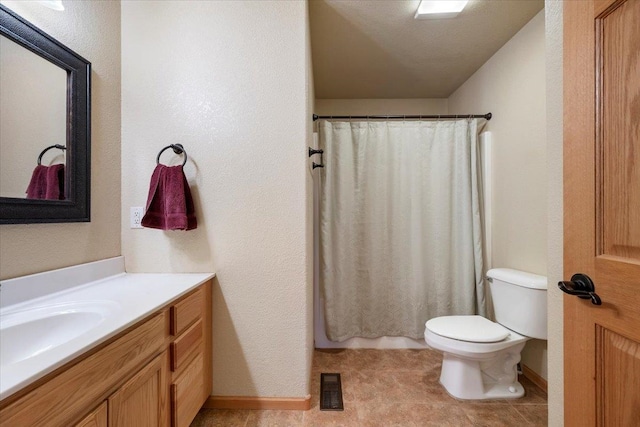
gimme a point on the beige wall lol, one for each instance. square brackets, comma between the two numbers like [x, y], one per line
[372, 107]
[92, 29]
[229, 81]
[512, 86]
[553, 24]
[309, 212]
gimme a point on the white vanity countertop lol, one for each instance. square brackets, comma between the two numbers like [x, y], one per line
[114, 300]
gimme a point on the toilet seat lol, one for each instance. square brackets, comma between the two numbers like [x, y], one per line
[468, 328]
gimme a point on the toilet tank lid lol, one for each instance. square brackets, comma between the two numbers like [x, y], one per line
[517, 277]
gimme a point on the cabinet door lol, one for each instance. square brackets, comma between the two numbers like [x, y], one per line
[188, 393]
[142, 401]
[97, 418]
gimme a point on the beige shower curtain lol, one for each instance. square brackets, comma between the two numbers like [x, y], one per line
[400, 231]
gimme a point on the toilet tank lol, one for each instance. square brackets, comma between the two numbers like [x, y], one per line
[519, 301]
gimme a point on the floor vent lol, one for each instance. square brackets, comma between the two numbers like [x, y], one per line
[331, 392]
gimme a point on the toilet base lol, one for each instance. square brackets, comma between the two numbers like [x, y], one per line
[473, 379]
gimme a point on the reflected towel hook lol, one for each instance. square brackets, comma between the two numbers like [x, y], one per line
[177, 148]
[58, 146]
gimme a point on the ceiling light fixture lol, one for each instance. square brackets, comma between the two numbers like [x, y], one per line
[52, 4]
[435, 9]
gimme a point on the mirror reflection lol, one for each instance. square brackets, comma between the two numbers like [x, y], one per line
[33, 117]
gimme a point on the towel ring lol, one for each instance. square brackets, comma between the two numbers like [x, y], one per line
[58, 146]
[177, 148]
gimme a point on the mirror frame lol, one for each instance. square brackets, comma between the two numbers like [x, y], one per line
[77, 203]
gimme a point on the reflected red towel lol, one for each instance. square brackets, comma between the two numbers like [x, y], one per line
[47, 182]
[169, 205]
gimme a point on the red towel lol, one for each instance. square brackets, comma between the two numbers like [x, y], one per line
[47, 182]
[169, 205]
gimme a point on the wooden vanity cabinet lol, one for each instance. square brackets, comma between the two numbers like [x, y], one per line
[156, 374]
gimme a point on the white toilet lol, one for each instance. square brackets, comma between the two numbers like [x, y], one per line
[480, 356]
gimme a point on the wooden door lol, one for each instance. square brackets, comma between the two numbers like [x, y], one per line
[602, 211]
[97, 417]
[142, 401]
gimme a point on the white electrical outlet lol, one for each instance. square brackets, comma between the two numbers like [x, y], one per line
[136, 217]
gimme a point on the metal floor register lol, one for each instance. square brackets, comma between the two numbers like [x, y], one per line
[331, 392]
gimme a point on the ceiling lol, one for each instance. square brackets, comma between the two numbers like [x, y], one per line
[376, 49]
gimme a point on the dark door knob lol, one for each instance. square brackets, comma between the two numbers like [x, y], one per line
[581, 286]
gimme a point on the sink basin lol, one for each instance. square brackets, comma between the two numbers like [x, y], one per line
[29, 333]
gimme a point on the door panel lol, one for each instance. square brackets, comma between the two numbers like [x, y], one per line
[97, 418]
[618, 44]
[142, 401]
[617, 377]
[602, 211]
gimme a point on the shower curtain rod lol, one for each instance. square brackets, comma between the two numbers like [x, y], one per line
[396, 117]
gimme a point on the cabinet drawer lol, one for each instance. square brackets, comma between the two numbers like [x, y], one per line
[188, 394]
[186, 345]
[186, 311]
[65, 397]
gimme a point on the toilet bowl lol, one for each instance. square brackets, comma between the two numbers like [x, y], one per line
[477, 370]
[480, 357]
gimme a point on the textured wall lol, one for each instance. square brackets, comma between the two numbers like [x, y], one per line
[92, 29]
[309, 212]
[553, 22]
[229, 81]
[364, 107]
[512, 86]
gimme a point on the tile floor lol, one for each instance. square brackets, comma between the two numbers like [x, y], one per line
[390, 388]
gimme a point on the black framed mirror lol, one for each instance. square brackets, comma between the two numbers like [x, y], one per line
[23, 127]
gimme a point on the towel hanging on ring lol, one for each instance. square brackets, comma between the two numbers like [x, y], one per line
[170, 204]
[47, 182]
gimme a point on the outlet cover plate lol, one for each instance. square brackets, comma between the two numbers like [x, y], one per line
[136, 217]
